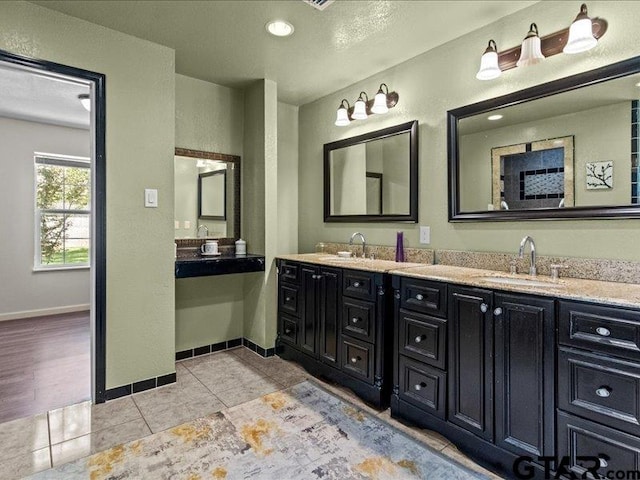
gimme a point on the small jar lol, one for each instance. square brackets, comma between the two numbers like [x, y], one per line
[321, 247]
[241, 247]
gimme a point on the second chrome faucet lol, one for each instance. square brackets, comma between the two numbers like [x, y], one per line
[523, 244]
[364, 243]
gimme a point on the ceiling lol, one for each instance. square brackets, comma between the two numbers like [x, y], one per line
[225, 42]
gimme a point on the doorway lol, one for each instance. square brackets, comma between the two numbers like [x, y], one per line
[69, 232]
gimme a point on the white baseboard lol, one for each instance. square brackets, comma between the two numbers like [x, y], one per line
[43, 312]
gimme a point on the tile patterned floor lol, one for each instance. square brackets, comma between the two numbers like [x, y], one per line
[204, 385]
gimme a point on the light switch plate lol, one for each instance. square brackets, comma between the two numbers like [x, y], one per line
[425, 234]
[187, 224]
[150, 197]
[177, 224]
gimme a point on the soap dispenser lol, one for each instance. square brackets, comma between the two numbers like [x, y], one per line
[241, 247]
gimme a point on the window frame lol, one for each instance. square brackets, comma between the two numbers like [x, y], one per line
[63, 161]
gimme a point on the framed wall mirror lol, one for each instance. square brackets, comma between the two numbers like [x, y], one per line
[207, 194]
[564, 149]
[373, 177]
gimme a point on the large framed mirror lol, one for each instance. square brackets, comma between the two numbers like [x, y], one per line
[207, 194]
[373, 177]
[560, 150]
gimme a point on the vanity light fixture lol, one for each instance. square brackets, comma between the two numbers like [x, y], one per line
[495, 117]
[363, 107]
[360, 107]
[582, 35]
[530, 52]
[279, 28]
[489, 68]
[85, 100]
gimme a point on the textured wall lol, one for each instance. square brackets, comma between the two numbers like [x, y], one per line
[442, 79]
[287, 178]
[140, 142]
[24, 290]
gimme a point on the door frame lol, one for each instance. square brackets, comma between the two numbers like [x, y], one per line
[99, 217]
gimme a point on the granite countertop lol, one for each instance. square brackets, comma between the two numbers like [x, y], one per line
[381, 266]
[612, 293]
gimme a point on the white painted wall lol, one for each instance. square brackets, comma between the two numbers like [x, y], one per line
[22, 290]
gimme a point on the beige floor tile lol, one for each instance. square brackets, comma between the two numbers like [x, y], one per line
[232, 376]
[170, 416]
[24, 464]
[452, 452]
[213, 359]
[97, 441]
[23, 436]
[246, 393]
[186, 389]
[248, 355]
[83, 418]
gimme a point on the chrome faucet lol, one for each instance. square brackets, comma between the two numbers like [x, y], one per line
[206, 231]
[364, 243]
[523, 243]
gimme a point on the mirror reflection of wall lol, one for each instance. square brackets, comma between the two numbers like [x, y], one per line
[187, 172]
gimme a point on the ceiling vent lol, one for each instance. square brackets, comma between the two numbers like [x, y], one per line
[319, 4]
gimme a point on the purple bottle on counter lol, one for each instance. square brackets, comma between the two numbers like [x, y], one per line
[400, 247]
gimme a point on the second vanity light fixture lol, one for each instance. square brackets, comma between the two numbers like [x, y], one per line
[582, 35]
[381, 103]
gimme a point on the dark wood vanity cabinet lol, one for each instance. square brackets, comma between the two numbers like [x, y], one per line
[336, 322]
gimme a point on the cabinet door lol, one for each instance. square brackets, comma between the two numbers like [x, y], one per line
[524, 374]
[470, 404]
[307, 331]
[329, 314]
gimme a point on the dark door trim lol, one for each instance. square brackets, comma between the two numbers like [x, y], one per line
[100, 205]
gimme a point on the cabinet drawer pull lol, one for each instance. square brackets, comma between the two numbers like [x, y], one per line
[356, 284]
[355, 359]
[484, 307]
[497, 312]
[603, 331]
[419, 297]
[314, 276]
[419, 386]
[355, 320]
[420, 338]
[603, 392]
[287, 299]
[318, 277]
[287, 331]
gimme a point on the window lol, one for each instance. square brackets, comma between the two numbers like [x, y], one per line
[63, 215]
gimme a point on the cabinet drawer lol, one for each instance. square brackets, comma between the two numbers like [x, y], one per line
[423, 296]
[607, 329]
[599, 388]
[357, 358]
[288, 296]
[359, 284]
[422, 386]
[423, 338]
[615, 451]
[289, 329]
[289, 272]
[358, 318]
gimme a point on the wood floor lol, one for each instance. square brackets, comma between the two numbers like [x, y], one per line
[45, 363]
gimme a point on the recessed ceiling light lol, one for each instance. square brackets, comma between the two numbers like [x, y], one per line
[494, 117]
[279, 28]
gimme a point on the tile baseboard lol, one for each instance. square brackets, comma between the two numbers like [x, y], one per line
[141, 386]
[217, 347]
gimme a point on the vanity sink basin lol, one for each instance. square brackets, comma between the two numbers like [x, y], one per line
[335, 258]
[521, 282]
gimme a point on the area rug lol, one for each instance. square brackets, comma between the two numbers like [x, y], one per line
[302, 433]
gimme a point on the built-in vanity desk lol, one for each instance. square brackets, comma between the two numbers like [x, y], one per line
[192, 264]
[507, 366]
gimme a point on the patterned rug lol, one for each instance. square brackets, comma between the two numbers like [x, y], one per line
[301, 433]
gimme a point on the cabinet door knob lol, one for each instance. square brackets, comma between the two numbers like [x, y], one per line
[287, 331]
[318, 277]
[419, 386]
[497, 311]
[419, 297]
[355, 359]
[484, 307]
[355, 320]
[287, 299]
[603, 331]
[314, 276]
[603, 392]
[419, 338]
[356, 284]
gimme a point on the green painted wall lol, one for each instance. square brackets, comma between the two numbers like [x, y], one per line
[209, 117]
[140, 129]
[442, 79]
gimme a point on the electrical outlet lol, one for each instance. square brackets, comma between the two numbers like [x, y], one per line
[187, 224]
[425, 235]
[177, 224]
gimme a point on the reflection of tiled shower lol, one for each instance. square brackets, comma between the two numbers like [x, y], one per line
[635, 106]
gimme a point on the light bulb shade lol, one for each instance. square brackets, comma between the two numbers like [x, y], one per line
[581, 36]
[531, 51]
[342, 117]
[359, 110]
[380, 102]
[489, 67]
[85, 100]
